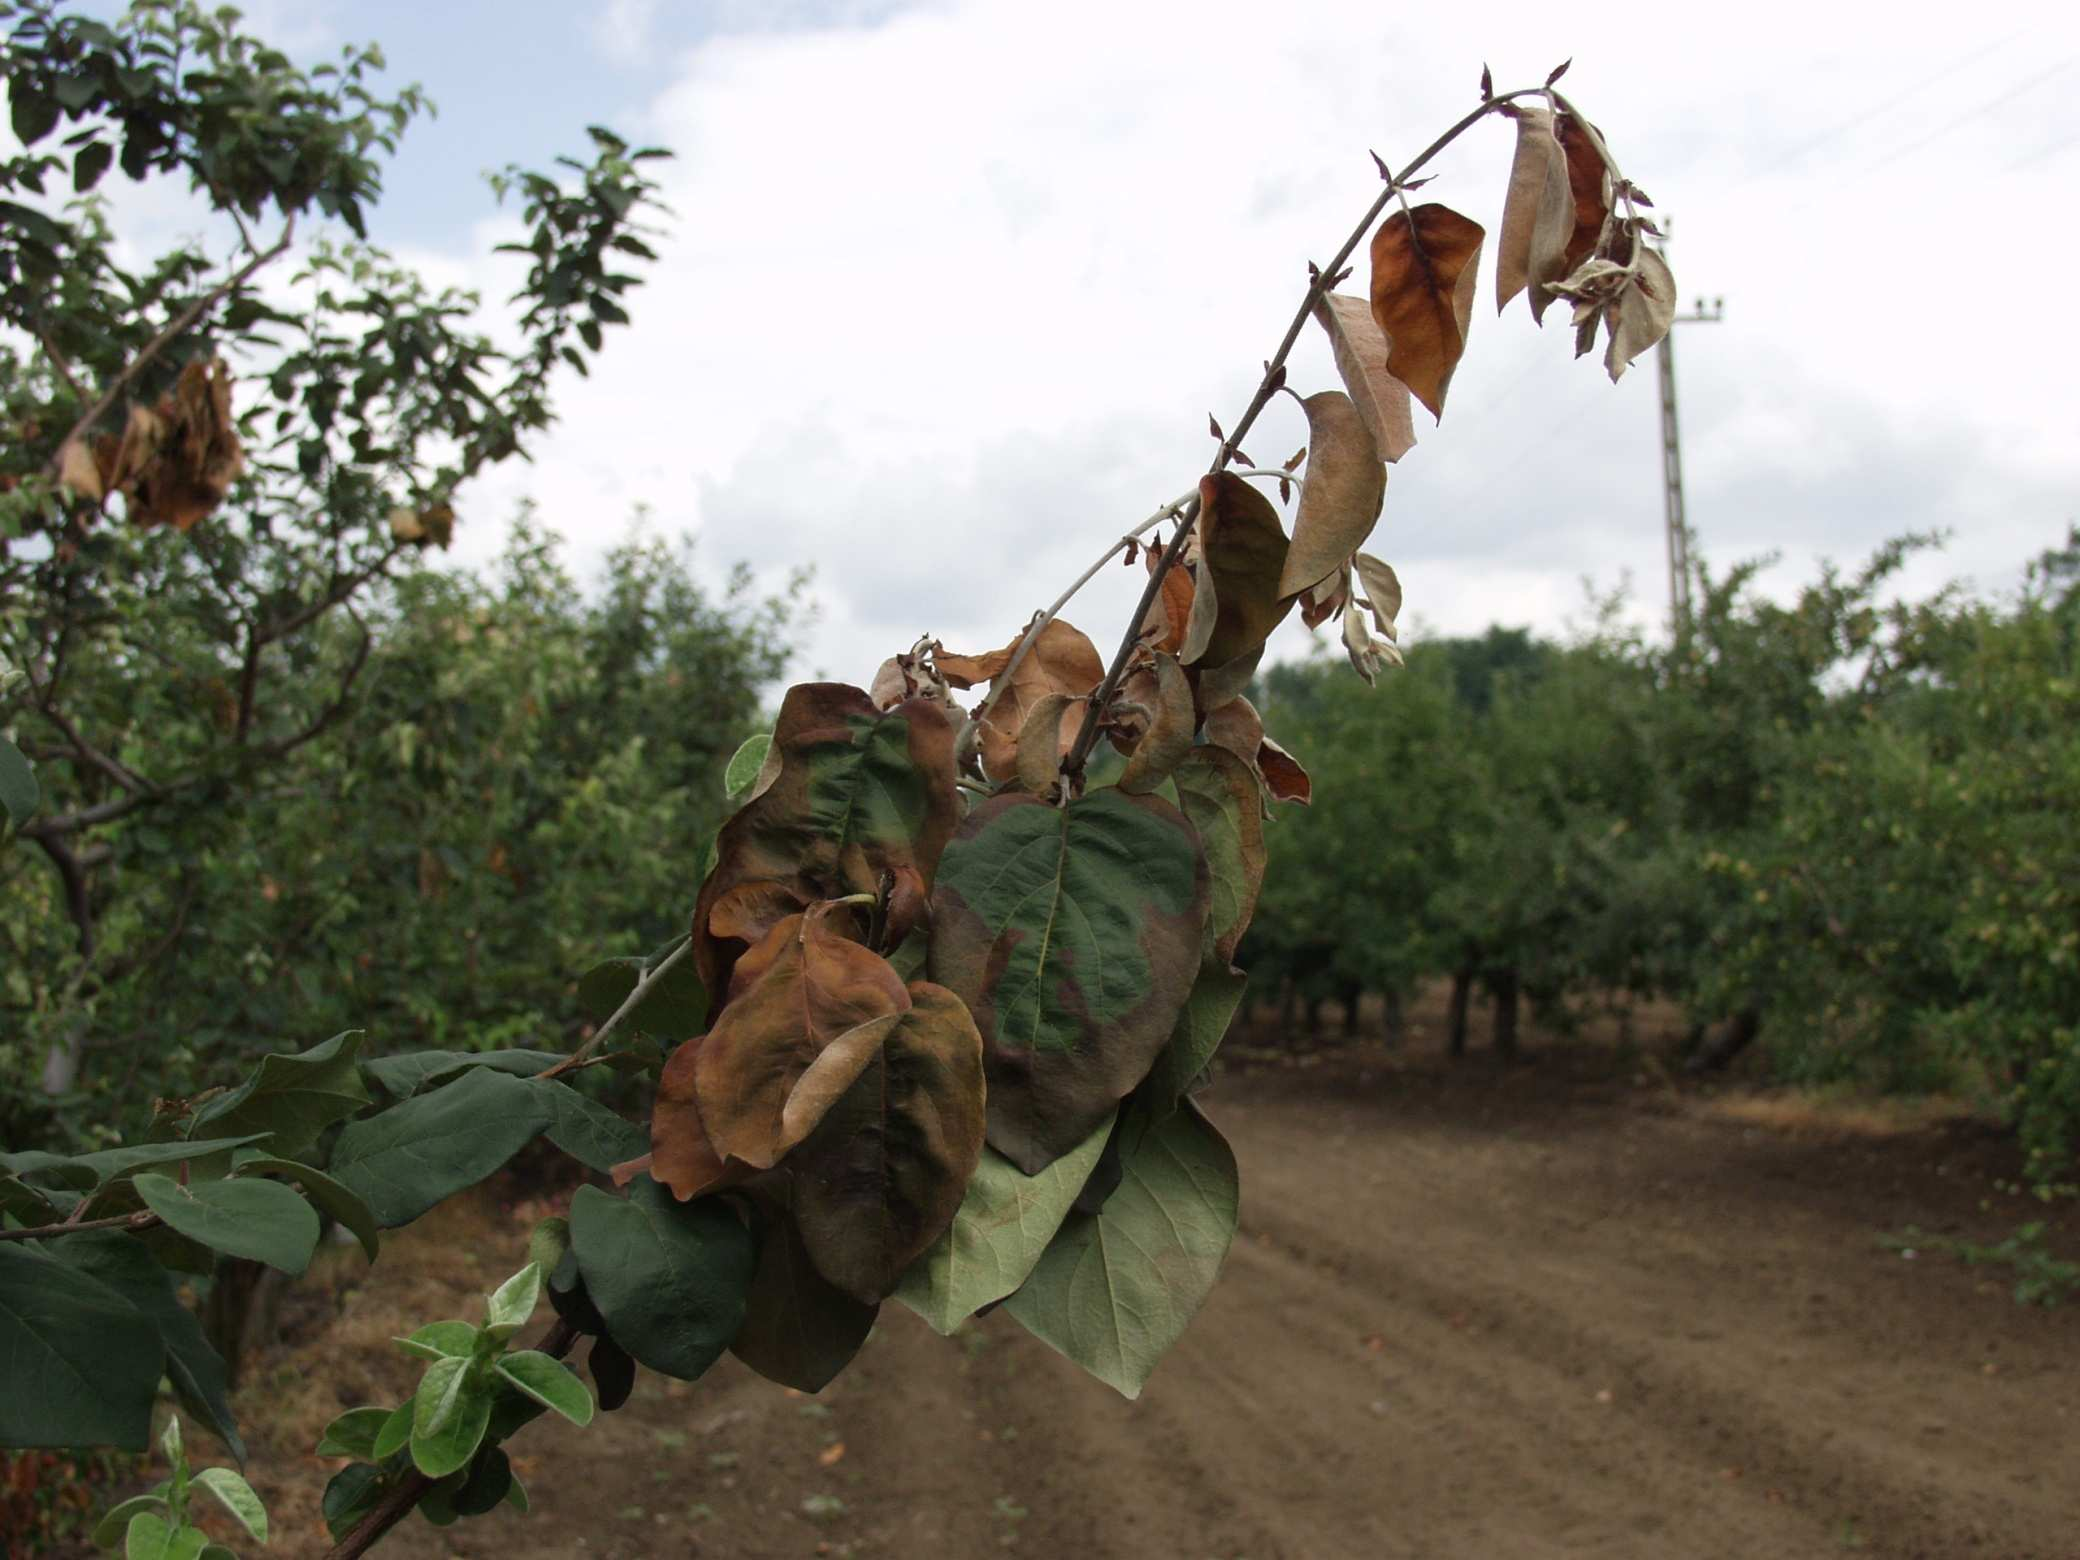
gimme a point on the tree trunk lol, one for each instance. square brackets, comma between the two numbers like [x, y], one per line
[1455, 1015]
[1353, 994]
[239, 1314]
[1736, 1037]
[1395, 1015]
[1502, 985]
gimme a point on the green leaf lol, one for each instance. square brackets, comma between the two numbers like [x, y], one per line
[590, 1133]
[354, 1433]
[151, 1537]
[192, 1365]
[614, 1373]
[549, 1383]
[441, 1340]
[405, 1075]
[669, 1278]
[1004, 1224]
[260, 1220]
[350, 1495]
[294, 1098]
[322, 1190]
[1115, 1289]
[1221, 796]
[108, 1532]
[1201, 1027]
[513, 1302]
[237, 1497]
[406, 1159]
[673, 1008]
[516, 1495]
[82, 1361]
[1073, 935]
[34, 117]
[744, 764]
[450, 1413]
[91, 1171]
[488, 1481]
[89, 164]
[19, 792]
[799, 1328]
[395, 1434]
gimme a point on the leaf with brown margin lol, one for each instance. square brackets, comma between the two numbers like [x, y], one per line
[1586, 176]
[1235, 725]
[1171, 611]
[1073, 935]
[799, 1328]
[1360, 347]
[1220, 796]
[1539, 213]
[1236, 604]
[805, 1023]
[1169, 734]
[882, 1176]
[1340, 496]
[1283, 776]
[855, 793]
[1062, 660]
[1424, 265]
[1049, 731]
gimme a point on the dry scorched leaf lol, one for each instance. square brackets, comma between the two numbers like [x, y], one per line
[1361, 358]
[811, 1010]
[681, 1155]
[1062, 660]
[1641, 314]
[1049, 732]
[1073, 934]
[1159, 749]
[1236, 603]
[1283, 776]
[1382, 591]
[882, 1176]
[1326, 599]
[178, 466]
[1539, 214]
[1341, 496]
[856, 793]
[1171, 611]
[1588, 181]
[1424, 264]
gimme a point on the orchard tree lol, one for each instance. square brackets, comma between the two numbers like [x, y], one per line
[933, 1029]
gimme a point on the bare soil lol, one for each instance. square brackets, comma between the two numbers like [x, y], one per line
[1561, 1308]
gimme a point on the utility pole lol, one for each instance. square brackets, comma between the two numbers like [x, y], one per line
[1672, 467]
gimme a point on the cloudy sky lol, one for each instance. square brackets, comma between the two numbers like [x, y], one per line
[953, 286]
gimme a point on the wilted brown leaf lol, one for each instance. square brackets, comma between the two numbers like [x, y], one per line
[1236, 602]
[1048, 733]
[1326, 599]
[1171, 611]
[751, 910]
[1340, 498]
[883, 1174]
[1062, 660]
[179, 470]
[1235, 725]
[1382, 591]
[1641, 314]
[1360, 347]
[681, 1155]
[1539, 214]
[1282, 773]
[1586, 178]
[807, 1011]
[77, 470]
[1424, 265]
[1169, 735]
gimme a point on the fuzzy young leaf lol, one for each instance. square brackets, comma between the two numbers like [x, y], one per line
[1424, 265]
[745, 766]
[237, 1497]
[441, 1341]
[396, 1433]
[263, 1221]
[151, 1537]
[549, 1382]
[1072, 935]
[353, 1434]
[1116, 1289]
[513, 1303]
[450, 1413]
[1005, 1221]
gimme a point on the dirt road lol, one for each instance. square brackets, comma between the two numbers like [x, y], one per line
[1471, 1313]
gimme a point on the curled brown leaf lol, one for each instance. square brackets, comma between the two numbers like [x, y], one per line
[1360, 348]
[1424, 265]
[1341, 496]
[1538, 216]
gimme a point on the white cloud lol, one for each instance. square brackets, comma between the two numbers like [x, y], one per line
[622, 30]
[950, 295]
